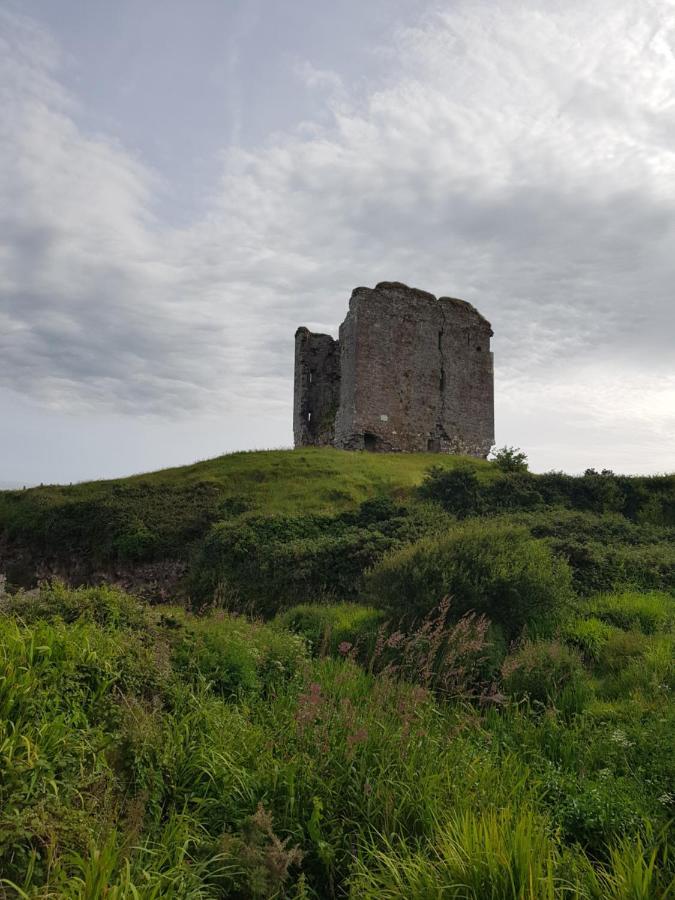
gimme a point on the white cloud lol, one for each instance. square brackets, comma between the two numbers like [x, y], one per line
[516, 157]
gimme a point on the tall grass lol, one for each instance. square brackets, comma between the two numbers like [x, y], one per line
[213, 756]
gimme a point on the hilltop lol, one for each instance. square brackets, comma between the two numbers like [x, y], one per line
[322, 516]
[162, 515]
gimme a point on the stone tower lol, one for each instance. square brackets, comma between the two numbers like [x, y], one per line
[409, 372]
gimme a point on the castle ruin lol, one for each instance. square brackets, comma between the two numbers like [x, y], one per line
[410, 372]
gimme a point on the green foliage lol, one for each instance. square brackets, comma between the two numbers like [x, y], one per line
[588, 635]
[106, 606]
[164, 515]
[457, 490]
[596, 811]
[607, 552]
[236, 657]
[203, 757]
[649, 612]
[461, 491]
[545, 672]
[490, 568]
[496, 855]
[149, 752]
[620, 648]
[267, 563]
[510, 459]
[327, 627]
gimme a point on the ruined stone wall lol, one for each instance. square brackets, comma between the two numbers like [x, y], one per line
[414, 374]
[467, 396]
[390, 369]
[317, 388]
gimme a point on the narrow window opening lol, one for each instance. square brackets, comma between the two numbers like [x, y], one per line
[310, 377]
[479, 349]
[309, 417]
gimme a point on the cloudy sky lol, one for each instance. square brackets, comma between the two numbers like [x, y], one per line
[182, 184]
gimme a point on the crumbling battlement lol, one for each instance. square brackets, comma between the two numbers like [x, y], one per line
[409, 372]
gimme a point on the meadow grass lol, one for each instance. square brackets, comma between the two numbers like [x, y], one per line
[162, 754]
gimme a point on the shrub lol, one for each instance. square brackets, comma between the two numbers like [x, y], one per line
[106, 606]
[460, 492]
[512, 491]
[266, 564]
[588, 635]
[236, 657]
[328, 626]
[490, 568]
[607, 552]
[621, 647]
[596, 811]
[510, 459]
[457, 490]
[649, 612]
[544, 672]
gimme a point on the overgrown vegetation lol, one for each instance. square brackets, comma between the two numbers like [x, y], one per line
[148, 752]
[378, 683]
[165, 514]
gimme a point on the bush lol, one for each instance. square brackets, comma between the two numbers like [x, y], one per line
[588, 635]
[460, 492]
[606, 554]
[620, 649]
[512, 491]
[491, 568]
[327, 626]
[236, 657]
[593, 812]
[457, 490]
[510, 459]
[544, 672]
[650, 612]
[268, 563]
[106, 606]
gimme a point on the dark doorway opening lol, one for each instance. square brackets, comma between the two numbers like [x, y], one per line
[434, 445]
[369, 441]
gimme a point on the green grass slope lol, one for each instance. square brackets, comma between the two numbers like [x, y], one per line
[265, 530]
[162, 513]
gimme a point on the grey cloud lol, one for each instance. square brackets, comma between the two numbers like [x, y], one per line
[522, 166]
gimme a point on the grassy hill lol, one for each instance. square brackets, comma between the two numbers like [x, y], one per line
[164, 514]
[313, 514]
[380, 676]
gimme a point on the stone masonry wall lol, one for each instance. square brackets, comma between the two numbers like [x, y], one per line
[393, 393]
[467, 396]
[414, 374]
[317, 388]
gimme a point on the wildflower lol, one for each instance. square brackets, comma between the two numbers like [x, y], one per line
[344, 647]
[619, 737]
[357, 738]
[309, 706]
